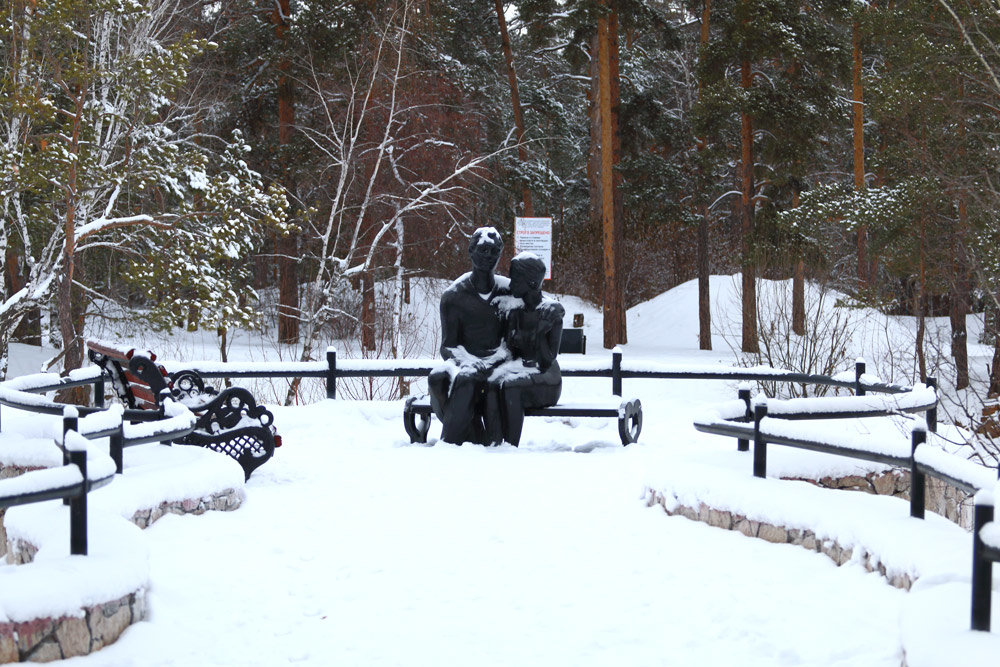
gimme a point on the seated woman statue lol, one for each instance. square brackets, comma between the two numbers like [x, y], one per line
[532, 331]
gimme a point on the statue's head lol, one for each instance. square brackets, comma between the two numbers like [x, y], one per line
[485, 247]
[527, 271]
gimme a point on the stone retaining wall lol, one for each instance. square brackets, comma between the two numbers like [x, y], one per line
[48, 639]
[940, 497]
[775, 534]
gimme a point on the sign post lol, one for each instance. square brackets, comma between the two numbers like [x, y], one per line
[535, 235]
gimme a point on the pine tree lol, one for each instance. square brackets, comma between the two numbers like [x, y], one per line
[769, 92]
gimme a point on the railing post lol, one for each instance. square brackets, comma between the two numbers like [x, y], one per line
[932, 413]
[116, 447]
[71, 422]
[742, 444]
[78, 507]
[163, 398]
[982, 568]
[859, 370]
[331, 372]
[918, 482]
[616, 371]
[759, 444]
[99, 391]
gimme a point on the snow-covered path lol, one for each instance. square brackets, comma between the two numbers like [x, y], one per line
[354, 548]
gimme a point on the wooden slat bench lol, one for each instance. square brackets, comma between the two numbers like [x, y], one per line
[229, 422]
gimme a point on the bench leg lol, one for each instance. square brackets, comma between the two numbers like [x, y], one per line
[630, 423]
[416, 425]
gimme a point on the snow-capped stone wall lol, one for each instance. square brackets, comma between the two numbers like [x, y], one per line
[48, 639]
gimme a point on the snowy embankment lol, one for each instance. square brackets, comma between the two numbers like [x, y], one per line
[355, 547]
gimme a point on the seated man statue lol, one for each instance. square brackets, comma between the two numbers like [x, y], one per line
[471, 345]
[533, 329]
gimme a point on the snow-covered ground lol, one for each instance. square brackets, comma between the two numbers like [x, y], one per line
[354, 547]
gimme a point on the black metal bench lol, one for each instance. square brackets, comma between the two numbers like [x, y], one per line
[229, 421]
[417, 411]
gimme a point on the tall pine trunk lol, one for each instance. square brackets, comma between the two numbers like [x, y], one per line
[704, 288]
[864, 279]
[749, 314]
[606, 199]
[515, 97]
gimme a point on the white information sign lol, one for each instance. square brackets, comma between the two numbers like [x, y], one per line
[535, 235]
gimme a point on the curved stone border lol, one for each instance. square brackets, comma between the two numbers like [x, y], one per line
[6, 472]
[223, 501]
[776, 535]
[48, 639]
[20, 552]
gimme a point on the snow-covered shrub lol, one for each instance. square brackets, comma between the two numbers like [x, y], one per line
[825, 349]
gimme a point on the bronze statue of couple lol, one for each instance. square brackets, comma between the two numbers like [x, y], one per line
[499, 340]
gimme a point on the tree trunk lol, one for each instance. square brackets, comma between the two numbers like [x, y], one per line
[994, 388]
[515, 97]
[29, 329]
[959, 305]
[749, 314]
[920, 305]
[799, 299]
[704, 289]
[288, 281]
[605, 106]
[864, 279]
[798, 286]
[367, 311]
[71, 310]
[704, 269]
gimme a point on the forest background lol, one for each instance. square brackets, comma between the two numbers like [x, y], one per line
[292, 163]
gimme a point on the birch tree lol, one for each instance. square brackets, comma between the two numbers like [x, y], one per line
[384, 169]
[99, 144]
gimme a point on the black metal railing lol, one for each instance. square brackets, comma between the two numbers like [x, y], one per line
[746, 423]
[71, 482]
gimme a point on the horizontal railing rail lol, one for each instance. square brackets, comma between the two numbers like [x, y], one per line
[124, 427]
[615, 367]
